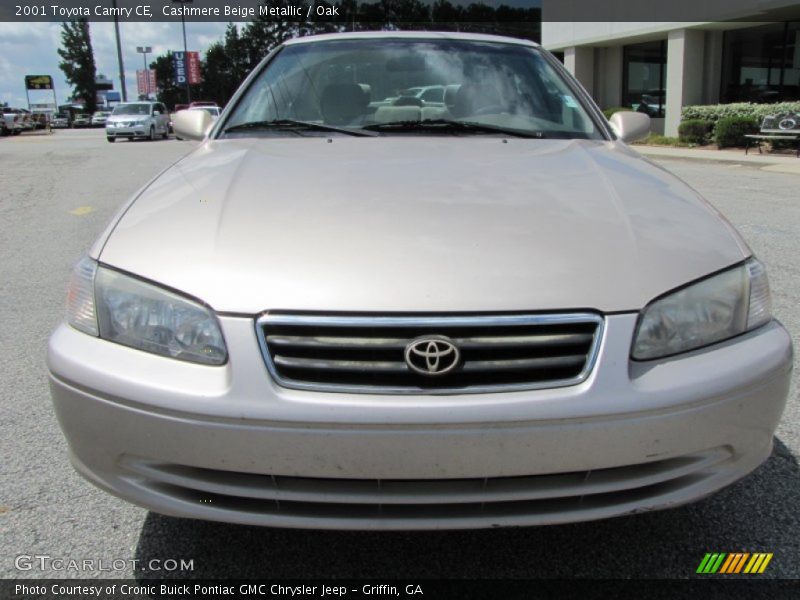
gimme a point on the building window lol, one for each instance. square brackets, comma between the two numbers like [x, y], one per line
[761, 64]
[643, 77]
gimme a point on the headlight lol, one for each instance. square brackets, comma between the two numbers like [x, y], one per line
[131, 312]
[712, 310]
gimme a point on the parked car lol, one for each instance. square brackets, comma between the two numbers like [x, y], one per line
[427, 93]
[133, 120]
[493, 313]
[12, 121]
[25, 118]
[212, 110]
[82, 120]
[100, 117]
[60, 121]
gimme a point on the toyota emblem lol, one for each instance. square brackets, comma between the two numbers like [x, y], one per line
[432, 355]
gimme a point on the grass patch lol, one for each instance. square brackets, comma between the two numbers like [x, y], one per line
[655, 139]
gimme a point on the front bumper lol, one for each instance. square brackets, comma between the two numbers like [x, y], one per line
[132, 131]
[225, 443]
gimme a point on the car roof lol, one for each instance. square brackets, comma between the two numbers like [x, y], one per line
[416, 35]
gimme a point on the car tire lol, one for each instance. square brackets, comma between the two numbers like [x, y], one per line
[110, 139]
[165, 135]
[152, 133]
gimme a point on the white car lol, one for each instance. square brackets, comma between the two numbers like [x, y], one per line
[100, 117]
[138, 120]
[214, 111]
[59, 121]
[13, 121]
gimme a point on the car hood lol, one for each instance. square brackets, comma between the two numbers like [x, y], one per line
[419, 224]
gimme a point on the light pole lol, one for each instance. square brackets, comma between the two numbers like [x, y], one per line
[185, 48]
[144, 51]
[119, 54]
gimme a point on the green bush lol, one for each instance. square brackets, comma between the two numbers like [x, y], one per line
[730, 131]
[715, 112]
[695, 131]
[610, 111]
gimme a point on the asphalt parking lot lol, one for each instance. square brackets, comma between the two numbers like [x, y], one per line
[58, 193]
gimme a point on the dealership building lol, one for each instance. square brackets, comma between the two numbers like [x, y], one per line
[659, 67]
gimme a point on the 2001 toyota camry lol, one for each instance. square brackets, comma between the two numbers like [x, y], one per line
[352, 307]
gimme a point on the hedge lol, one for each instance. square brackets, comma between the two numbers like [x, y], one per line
[730, 131]
[695, 131]
[715, 112]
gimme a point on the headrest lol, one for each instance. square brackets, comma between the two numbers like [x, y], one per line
[450, 93]
[341, 103]
[471, 97]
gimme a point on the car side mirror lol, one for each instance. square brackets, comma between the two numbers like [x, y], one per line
[191, 124]
[630, 126]
[156, 113]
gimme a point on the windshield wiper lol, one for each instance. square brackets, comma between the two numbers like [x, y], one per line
[294, 124]
[451, 125]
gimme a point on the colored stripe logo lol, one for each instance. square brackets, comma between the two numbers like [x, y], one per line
[734, 563]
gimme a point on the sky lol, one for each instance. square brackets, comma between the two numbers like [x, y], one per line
[30, 49]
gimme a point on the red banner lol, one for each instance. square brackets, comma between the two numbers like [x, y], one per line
[193, 68]
[146, 82]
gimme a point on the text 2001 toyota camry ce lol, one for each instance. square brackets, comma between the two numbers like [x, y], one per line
[351, 307]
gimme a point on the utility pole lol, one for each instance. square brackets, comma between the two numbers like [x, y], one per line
[119, 54]
[185, 49]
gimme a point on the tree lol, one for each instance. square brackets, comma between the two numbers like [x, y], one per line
[78, 61]
[166, 90]
[224, 68]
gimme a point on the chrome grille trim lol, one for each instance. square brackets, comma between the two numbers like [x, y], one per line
[275, 363]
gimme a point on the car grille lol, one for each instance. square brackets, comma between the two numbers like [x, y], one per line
[426, 503]
[368, 353]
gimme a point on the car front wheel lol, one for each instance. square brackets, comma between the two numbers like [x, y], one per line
[152, 133]
[110, 139]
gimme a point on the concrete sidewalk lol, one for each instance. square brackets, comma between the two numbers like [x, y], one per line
[782, 163]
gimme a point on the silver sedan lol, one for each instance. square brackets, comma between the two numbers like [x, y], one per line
[347, 309]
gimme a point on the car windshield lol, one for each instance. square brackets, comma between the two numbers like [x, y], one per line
[425, 85]
[132, 109]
